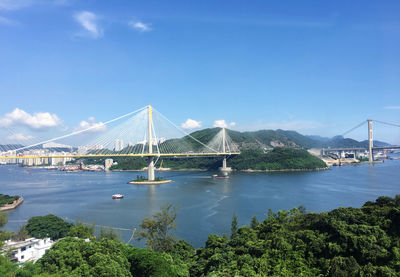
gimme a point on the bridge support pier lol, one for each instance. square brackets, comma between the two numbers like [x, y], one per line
[224, 169]
[150, 169]
[370, 143]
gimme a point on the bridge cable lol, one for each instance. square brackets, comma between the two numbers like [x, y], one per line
[352, 129]
[382, 122]
[80, 131]
[179, 129]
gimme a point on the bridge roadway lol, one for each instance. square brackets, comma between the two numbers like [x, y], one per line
[360, 148]
[123, 155]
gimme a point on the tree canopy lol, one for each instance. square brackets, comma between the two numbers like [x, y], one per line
[343, 242]
[156, 230]
[48, 226]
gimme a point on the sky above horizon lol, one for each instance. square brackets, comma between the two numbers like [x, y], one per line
[316, 67]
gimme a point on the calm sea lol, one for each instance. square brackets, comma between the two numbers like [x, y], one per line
[205, 205]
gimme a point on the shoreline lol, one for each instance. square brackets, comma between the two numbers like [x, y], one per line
[284, 170]
[150, 182]
[144, 170]
[13, 205]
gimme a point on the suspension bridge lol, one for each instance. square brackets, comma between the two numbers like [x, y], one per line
[371, 148]
[142, 133]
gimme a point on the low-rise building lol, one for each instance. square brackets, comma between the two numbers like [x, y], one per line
[31, 249]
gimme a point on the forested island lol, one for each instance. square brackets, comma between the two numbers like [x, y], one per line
[253, 159]
[343, 242]
[8, 202]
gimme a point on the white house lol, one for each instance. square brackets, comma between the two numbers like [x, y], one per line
[31, 249]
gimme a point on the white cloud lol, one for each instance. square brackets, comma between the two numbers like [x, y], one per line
[139, 26]
[20, 137]
[392, 107]
[88, 20]
[36, 121]
[223, 124]
[14, 4]
[190, 124]
[92, 125]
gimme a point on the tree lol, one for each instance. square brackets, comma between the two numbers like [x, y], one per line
[156, 230]
[21, 235]
[254, 222]
[75, 257]
[81, 231]
[109, 234]
[48, 226]
[234, 225]
[146, 263]
[3, 219]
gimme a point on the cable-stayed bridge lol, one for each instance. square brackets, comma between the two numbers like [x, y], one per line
[144, 133]
[141, 133]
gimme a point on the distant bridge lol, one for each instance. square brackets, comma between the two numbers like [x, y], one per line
[370, 148]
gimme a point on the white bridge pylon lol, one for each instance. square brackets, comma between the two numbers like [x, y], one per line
[141, 133]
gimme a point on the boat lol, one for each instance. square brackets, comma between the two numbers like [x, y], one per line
[220, 176]
[117, 196]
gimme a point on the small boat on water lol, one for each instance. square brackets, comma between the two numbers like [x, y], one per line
[117, 196]
[220, 176]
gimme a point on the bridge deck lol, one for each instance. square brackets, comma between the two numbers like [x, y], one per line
[360, 148]
[124, 155]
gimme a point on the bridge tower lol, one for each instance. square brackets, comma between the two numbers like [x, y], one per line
[150, 168]
[370, 142]
[224, 169]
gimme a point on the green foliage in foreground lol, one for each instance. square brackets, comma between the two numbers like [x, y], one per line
[75, 257]
[277, 159]
[156, 230]
[7, 199]
[344, 242]
[48, 226]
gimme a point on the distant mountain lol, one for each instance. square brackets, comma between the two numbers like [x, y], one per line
[318, 138]
[377, 143]
[272, 138]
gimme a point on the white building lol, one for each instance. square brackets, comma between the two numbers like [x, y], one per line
[31, 249]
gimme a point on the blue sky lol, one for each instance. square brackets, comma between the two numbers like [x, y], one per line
[317, 67]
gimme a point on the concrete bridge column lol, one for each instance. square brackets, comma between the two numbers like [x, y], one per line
[370, 142]
[150, 169]
[224, 163]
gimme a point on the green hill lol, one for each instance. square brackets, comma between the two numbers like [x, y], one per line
[264, 139]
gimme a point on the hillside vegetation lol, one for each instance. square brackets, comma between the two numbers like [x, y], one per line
[277, 159]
